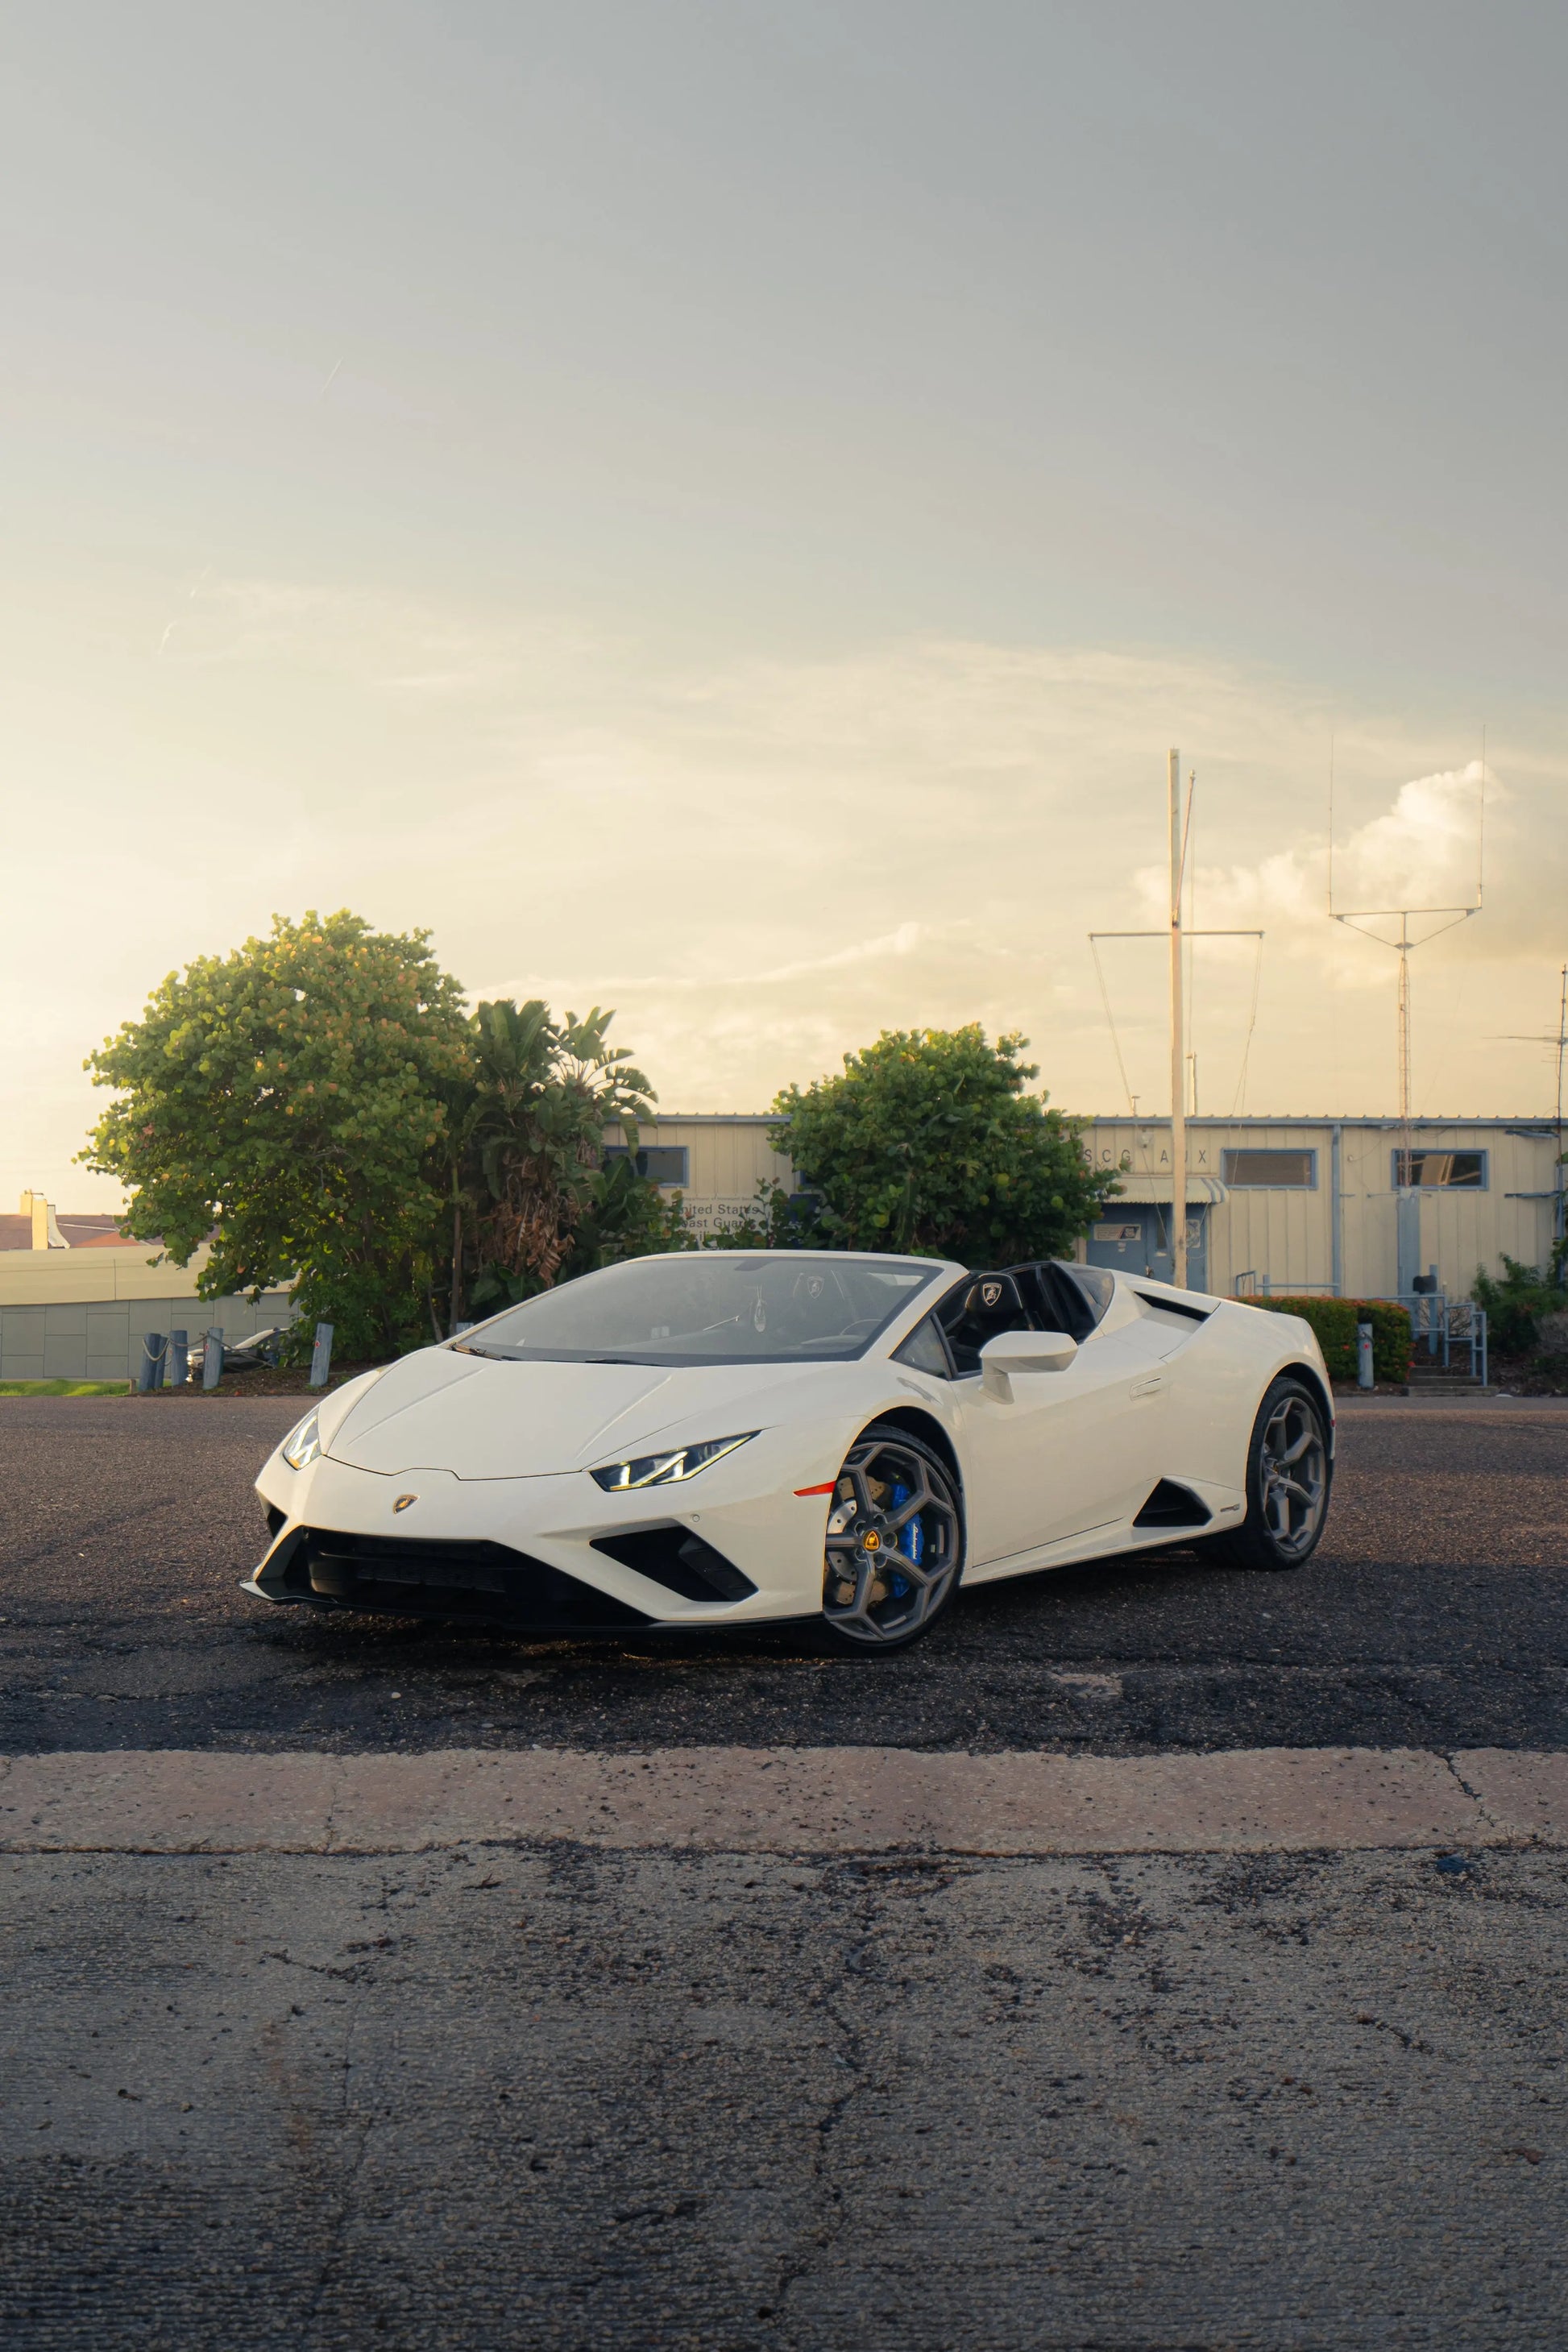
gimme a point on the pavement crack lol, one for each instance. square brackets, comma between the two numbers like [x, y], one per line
[350, 1975]
[1408, 2039]
[334, 1783]
[831, 2190]
[1492, 1825]
[358, 2141]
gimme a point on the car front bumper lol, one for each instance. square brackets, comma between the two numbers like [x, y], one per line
[549, 1554]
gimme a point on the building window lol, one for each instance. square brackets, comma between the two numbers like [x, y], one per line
[661, 1163]
[1468, 1168]
[1296, 1171]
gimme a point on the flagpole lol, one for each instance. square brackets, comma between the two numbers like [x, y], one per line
[1178, 1045]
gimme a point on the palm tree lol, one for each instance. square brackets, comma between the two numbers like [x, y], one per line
[527, 1143]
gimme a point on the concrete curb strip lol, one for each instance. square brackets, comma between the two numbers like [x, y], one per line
[803, 1800]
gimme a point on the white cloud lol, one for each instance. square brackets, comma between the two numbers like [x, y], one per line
[758, 863]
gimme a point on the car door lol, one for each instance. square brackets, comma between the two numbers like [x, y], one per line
[1075, 1450]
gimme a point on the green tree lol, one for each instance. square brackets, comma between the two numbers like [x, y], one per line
[529, 1149]
[625, 1215]
[284, 1102]
[930, 1143]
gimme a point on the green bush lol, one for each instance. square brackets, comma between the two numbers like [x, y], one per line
[1334, 1322]
[1515, 1305]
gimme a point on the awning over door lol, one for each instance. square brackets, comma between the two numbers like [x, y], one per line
[1136, 1185]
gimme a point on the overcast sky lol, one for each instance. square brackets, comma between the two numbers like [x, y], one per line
[722, 509]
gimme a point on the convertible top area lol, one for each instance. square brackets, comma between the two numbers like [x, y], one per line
[1044, 1294]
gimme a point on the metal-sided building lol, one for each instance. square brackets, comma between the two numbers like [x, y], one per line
[1326, 1204]
[1273, 1204]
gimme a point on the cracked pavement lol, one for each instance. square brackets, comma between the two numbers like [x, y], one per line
[570, 2099]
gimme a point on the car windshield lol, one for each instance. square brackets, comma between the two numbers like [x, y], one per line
[711, 1308]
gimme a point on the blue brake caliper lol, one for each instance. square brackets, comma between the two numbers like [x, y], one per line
[912, 1541]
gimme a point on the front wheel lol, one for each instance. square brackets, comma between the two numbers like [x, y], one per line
[1288, 1477]
[894, 1544]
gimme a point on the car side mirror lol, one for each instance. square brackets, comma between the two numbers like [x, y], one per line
[1020, 1353]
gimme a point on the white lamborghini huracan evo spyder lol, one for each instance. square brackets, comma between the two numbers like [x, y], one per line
[726, 1436]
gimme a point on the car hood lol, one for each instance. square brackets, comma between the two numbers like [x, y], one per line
[483, 1419]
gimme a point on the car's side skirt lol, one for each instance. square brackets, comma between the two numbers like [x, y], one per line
[1226, 1510]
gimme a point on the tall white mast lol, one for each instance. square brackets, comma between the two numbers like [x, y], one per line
[1178, 1045]
[1178, 1019]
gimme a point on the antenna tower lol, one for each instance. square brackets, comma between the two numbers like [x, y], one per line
[1180, 827]
[1445, 919]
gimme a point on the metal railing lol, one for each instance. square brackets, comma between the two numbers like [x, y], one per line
[1253, 1284]
[1451, 1332]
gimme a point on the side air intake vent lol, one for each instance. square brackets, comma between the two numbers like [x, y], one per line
[1171, 1506]
[680, 1561]
[1175, 1306]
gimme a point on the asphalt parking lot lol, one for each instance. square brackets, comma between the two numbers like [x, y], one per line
[570, 2093]
[1434, 1615]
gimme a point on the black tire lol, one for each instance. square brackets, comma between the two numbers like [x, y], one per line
[1285, 1514]
[892, 1559]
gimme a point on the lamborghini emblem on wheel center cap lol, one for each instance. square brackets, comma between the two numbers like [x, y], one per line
[403, 1502]
[871, 1540]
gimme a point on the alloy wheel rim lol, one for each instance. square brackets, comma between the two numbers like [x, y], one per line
[892, 1544]
[1294, 1475]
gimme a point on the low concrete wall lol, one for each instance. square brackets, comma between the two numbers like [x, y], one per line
[100, 1339]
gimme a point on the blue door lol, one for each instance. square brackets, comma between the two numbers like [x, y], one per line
[1135, 1236]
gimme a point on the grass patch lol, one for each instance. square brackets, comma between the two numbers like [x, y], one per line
[64, 1388]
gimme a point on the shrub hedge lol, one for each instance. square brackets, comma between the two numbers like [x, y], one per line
[1515, 1305]
[1334, 1321]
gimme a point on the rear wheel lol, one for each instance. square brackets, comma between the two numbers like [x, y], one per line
[894, 1545]
[1288, 1477]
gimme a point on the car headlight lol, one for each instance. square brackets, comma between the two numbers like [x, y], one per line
[303, 1442]
[667, 1469]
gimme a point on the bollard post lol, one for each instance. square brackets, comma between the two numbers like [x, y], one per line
[150, 1374]
[1364, 1355]
[212, 1357]
[321, 1356]
[179, 1359]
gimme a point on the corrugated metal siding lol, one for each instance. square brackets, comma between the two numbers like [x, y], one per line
[727, 1158]
[1286, 1236]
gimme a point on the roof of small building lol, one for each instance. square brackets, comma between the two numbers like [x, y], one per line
[87, 1231]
